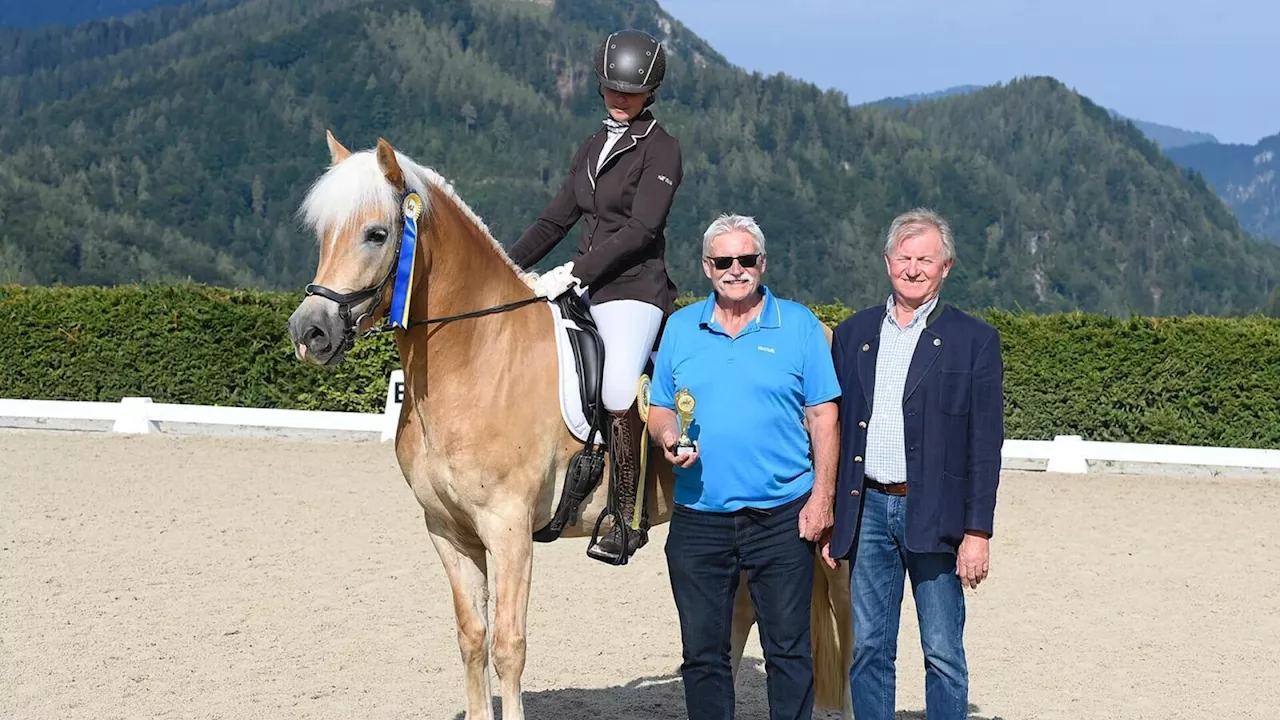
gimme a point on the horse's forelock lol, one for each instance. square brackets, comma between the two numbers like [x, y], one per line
[356, 188]
[348, 191]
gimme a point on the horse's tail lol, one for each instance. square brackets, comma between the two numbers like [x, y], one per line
[831, 630]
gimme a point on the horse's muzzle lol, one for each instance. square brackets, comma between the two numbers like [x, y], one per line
[320, 337]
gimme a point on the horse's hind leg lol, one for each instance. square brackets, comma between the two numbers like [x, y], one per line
[465, 566]
[510, 540]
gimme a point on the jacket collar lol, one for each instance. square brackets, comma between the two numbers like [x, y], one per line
[641, 126]
[930, 310]
[770, 315]
[927, 350]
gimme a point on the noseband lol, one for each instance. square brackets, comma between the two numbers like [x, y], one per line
[402, 270]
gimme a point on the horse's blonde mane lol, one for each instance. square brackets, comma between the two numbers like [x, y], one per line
[357, 185]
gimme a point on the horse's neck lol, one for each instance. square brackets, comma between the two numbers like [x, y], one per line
[461, 271]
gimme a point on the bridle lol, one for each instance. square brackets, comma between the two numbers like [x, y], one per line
[401, 270]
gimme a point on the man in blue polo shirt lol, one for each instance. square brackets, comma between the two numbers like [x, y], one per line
[751, 496]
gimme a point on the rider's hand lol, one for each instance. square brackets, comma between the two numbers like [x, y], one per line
[556, 282]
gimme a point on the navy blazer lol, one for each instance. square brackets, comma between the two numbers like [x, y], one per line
[953, 425]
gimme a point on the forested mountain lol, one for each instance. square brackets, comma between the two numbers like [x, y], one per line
[1166, 136]
[179, 143]
[1246, 176]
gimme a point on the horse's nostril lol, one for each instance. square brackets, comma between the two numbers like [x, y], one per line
[315, 337]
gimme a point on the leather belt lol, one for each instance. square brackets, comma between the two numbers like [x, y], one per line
[886, 488]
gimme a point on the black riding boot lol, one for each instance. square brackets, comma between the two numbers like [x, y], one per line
[625, 435]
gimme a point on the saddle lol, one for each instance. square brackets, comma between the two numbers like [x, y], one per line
[587, 465]
[587, 418]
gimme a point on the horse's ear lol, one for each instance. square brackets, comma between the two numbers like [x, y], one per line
[390, 167]
[337, 153]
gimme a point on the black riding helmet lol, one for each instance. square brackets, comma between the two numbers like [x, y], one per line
[631, 61]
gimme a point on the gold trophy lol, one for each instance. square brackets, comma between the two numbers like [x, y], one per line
[684, 416]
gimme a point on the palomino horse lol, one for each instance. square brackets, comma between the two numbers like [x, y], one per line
[481, 440]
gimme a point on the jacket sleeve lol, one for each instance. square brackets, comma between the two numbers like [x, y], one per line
[554, 222]
[660, 176]
[986, 436]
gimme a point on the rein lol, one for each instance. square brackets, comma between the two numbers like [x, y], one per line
[401, 270]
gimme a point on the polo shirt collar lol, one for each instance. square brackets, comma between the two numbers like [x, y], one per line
[770, 315]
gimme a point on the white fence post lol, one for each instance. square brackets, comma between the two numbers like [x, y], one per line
[134, 417]
[1066, 455]
[395, 398]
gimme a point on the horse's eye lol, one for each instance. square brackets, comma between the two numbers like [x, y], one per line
[377, 236]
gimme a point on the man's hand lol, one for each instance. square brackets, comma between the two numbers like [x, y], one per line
[817, 516]
[973, 559]
[668, 448]
[824, 544]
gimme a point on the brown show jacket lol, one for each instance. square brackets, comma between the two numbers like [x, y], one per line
[622, 250]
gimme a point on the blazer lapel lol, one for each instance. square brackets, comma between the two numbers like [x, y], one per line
[639, 130]
[593, 154]
[928, 348]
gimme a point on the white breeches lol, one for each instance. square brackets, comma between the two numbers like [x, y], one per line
[628, 329]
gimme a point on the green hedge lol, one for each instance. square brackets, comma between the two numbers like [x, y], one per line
[1196, 380]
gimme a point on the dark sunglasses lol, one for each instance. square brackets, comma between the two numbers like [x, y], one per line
[746, 261]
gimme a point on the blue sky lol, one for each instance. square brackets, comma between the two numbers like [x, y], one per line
[1200, 65]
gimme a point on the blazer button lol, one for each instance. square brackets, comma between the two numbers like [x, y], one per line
[857, 458]
[865, 347]
[862, 424]
[853, 492]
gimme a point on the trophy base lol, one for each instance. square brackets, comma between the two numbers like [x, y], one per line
[684, 450]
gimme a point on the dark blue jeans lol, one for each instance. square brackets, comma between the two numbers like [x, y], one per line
[877, 587]
[706, 553]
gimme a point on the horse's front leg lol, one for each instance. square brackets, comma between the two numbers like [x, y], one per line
[464, 563]
[509, 536]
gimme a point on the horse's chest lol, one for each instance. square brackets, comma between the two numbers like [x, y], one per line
[444, 483]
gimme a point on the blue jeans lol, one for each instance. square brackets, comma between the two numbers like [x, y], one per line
[706, 553]
[877, 587]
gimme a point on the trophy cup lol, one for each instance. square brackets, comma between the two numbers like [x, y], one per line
[684, 416]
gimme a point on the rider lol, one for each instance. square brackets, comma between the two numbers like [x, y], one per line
[621, 181]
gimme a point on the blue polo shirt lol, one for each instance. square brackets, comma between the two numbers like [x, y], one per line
[750, 395]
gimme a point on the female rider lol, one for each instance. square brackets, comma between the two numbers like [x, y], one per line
[621, 182]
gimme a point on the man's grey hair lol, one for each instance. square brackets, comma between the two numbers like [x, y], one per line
[731, 223]
[914, 222]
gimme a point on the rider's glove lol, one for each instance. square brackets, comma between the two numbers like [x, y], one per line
[556, 282]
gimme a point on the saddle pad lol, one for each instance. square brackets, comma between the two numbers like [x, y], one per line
[575, 417]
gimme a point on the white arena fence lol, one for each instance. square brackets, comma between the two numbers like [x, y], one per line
[135, 415]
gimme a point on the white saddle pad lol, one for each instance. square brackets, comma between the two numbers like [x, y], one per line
[575, 417]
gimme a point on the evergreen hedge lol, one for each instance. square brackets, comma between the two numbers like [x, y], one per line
[1193, 380]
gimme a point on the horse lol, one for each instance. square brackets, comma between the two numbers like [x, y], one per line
[480, 439]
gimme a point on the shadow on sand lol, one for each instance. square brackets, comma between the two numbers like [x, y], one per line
[661, 698]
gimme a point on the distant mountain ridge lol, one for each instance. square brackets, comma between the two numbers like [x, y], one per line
[1246, 177]
[1165, 136]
